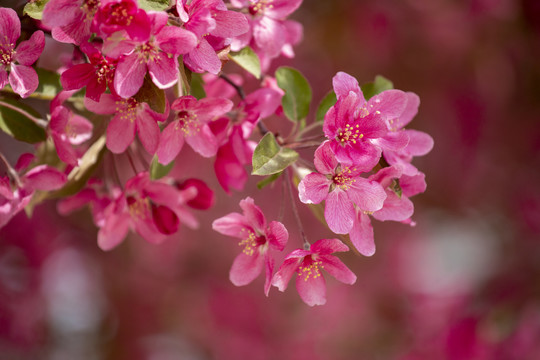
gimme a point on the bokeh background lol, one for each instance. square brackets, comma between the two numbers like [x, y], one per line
[463, 284]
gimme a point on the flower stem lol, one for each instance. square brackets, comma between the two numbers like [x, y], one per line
[11, 171]
[307, 245]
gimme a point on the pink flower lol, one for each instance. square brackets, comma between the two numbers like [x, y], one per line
[342, 188]
[257, 237]
[310, 283]
[68, 129]
[22, 78]
[96, 75]
[156, 55]
[131, 117]
[70, 20]
[121, 15]
[210, 20]
[191, 124]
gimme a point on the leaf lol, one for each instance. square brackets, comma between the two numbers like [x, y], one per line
[270, 158]
[197, 88]
[326, 103]
[297, 96]
[34, 9]
[157, 170]
[248, 60]
[49, 84]
[16, 120]
[152, 95]
[268, 180]
[378, 86]
[154, 5]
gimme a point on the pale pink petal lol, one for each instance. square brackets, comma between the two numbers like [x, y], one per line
[204, 142]
[313, 188]
[120, 133]
[413, 185]
[246, 268]
[282, 8]
[233, 224]
[269, 35]
[312, 290]
[284, 274]
[367, 195]
[277, 235]
[148, 230]
[23, 80]
[413, 102]
[325, 161]
[253, 214]
[170, 143]
[176, 41]
[73, 203]
[328, 246]
[114, 231]
[80, 129]
[28, 51]
[395, 208]
[229, 24]
[60, 12]
[391, 103]
[344, 83]
[269, 266]
[339, 212]
[129, 75]
[338, 269]
[10, 26]
[65, 151]
[44, 177]
[163, 71]
[148, 131]
[203, 58]
[361, 235]
[393, 141]
[4, 80]
[76, 31]
[209, 108]
[420, 143]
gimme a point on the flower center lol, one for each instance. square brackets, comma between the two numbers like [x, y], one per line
[119, 14]
[148, 52]
[138, 207]
[259, 7]
[252, 242]
[349, 134]
[310, 268]
[343, 179]
[7, 52]
[127, 109]
[90, 7]
[187, 123]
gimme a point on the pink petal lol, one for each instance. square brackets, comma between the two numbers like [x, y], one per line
[204, 142]
[114, 231]
[80, 129]
[413, 102]
[44, 177]
[65, 151]
[328, 246]
[165, 219]
[282, 8]
[163, 71]
[148, 230]
[420, 143]
[277, 235]
[325, 161]
[77, 76]
[209, 108]
[361, 235]
[229, 24]
[204, 199]
[367, 195]
[253, 214]
[269, 265]
[3, 78]
[339, 212]
[107, 104]
[129, 75]
[229, 170]
[313, 188]
[344, 83]
[233, 224]
[394, 141]
[203, 58]
[23, 80]
[395, 208]
[312, 291]
[413, 185]
[29, 51]
[391, 103]
[24, 161]
[120, 134]
[170, 143]
[338, 269]
[246, 268]
[148, 131]
[10, 26]
[60, 12]
[176, 41]
[269, 35]
[73, 203]
[284, 274]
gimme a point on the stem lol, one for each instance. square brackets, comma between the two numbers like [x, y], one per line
[11, 171]
[308, 128]
[303, 145]
[307, 245]
[238, 89]
[40, 122]
[131, 162]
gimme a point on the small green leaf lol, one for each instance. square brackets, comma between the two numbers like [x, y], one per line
[154, 5]
[152, 95]
[16, 120]
[49, 84]
[326, 103]
[158, 170]
[197, 88]
[270, 158]
[297, 96]
[248, 60]
[378, 86]
[268, 180]
[34, 9]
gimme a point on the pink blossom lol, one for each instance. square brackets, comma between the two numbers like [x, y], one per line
[156, 55]
[191, 124]
[342, 187]
[68, 129]
[131, 117]
[22, 77]
[96, 76]
[257, 237]
[70, 20]
[310, 283]
[121, 15]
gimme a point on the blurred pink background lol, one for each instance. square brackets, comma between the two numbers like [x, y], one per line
[463, 284]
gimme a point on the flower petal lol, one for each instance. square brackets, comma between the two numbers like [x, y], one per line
[129, 75]
[23, 79]
[10, 26]
[338, 269]
[313, 188]
[339, 212]
[277, 235]
[233, 224]
[312, 290]
[367, 195]
[344, 83]
[284, 274]
[120, 134]
[361, 235]
[253, 214]
[28, 51]
[246, 268]
[163, 71]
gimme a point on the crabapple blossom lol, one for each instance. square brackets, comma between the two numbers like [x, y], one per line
[308, 263]
[70, 20]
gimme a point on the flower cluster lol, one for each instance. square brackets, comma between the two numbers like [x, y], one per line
[141, 80]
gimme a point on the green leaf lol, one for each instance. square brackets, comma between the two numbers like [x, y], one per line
[378, 86]
[16, 120]
[268, 180]
[326, 103]
[248, 60]
[297, 96]
[152, 95]
[154, 5]
[158, 170]
[197, 88]
[49, 84]
[34, 9]
[270, 158]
